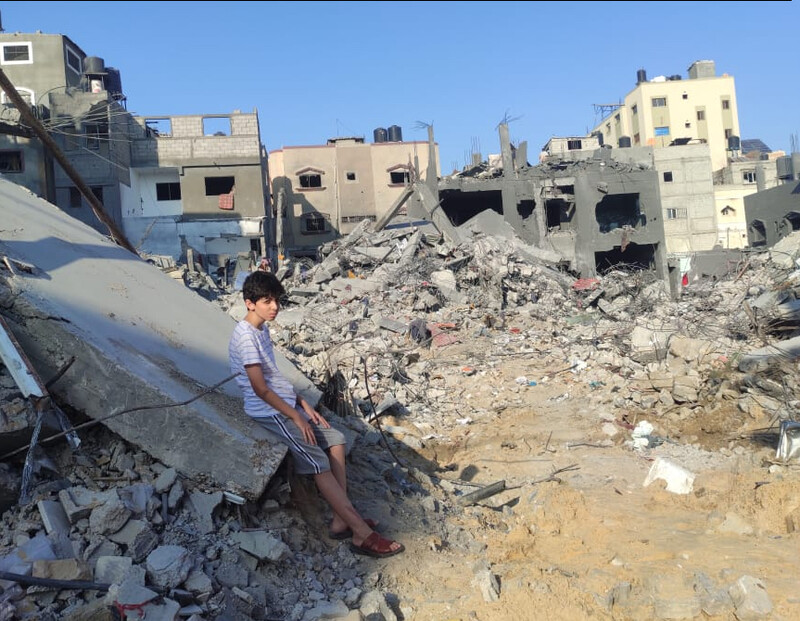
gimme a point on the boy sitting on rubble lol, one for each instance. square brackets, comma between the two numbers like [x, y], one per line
[270, 400]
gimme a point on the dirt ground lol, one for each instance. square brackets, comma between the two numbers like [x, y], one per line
[591, 541]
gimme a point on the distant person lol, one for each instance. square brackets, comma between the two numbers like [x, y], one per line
[264, 265]
[269, 398]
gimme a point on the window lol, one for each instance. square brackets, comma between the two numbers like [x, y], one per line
[616, 118]
[97, 190]
[216, 126]
[685, 96]
[634, 109]
[726, 104]
[728, 211]
[701, 115]
[749, 176]
[75, 197]
[572, 145]
[168, 191]
[659, 102]
[347, 219]
[11, 162]
[668, 176]
[73, 60]
[314, 223]
[398, 177]
[636, 139]
[675, 214]
[219, 185]
[687, 125]
[351, 176]
[311, 181]
[96, 134]
[158, 127]
[608, 128]
[27, 96]
[662, 131]
[728, 133]
[17, 53]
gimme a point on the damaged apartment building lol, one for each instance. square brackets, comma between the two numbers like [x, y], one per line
[171, 183]
[595, 213]
[322, 192]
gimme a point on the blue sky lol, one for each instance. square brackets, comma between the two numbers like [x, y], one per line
[315, 70]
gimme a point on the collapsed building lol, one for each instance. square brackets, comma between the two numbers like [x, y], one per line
[595, 213]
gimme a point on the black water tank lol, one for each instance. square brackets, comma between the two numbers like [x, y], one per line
[395, 134]
[624, 142]
[641, 76]
[94, 65]
[380, 134]
[113, 83]
[734, 144]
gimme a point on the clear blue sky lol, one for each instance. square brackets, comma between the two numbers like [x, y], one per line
[315, 70]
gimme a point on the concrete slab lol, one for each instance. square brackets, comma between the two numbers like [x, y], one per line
[141, 340]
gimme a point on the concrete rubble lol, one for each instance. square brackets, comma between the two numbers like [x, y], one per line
[163, 532]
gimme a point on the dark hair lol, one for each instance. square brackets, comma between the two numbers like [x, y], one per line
[260, 285]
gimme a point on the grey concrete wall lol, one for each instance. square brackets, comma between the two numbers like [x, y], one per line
[771, 207]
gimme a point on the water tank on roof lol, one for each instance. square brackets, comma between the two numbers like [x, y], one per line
[624, 142]
[675, 76]
[734, 144]
[380, 134]
[94, 65]
[641, 76]
[395, 134]
[114, 84]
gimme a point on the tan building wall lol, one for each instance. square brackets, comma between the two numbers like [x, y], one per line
[731, 221]
[345, 182]
[661, 110]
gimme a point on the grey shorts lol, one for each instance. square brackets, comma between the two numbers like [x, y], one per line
[308, 459]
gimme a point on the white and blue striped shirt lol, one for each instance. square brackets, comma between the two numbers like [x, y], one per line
[249, 345]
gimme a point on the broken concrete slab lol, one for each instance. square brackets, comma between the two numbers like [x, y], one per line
[91, 299]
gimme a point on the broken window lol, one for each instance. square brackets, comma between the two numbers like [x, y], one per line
[573, 145]
[749, 176]
[25, 93]
[219, 185]
[216, 126]
[311, 181]
[96, 134]
[314, 223]
[75, 197]
[17, 53]
[346, 219]
[640, 257]
[758, 233]
[525, 208]
[158, 127]
[399, 177]
[790, 222]
[559, 213]
[461, 206]
[11, 162]
[618, 210]
[659, 102]
[668, 176]
[73, 60]
[168, 191]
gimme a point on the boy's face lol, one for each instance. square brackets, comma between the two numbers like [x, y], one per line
[265, 309]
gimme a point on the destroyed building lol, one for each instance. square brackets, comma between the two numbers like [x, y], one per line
[775, 213]
[595, 213]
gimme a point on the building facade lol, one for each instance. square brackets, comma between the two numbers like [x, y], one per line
[322, 192]
[197, 181]
[668, 110]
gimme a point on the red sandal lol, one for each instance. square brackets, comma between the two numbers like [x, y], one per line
[376, 546]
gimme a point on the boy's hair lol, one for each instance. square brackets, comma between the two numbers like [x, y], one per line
[262, 285]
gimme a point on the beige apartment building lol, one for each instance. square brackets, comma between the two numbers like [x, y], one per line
[670, 110]
[322, 192]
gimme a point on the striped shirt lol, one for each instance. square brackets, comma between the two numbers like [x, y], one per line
[249, 345]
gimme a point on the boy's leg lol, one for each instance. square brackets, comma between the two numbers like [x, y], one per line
[336, 456]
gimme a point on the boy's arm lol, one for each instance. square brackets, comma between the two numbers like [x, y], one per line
[271, 398]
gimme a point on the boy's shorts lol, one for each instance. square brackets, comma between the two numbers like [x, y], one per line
[308, 459]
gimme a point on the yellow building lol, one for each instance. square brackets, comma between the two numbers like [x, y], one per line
[322, 192]
[667, 109]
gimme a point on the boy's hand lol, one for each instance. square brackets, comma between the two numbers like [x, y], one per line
[307, 430]
[316, 417]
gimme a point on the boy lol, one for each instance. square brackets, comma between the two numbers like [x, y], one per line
[270, 400]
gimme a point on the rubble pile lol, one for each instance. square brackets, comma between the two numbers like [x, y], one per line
[394, 326]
